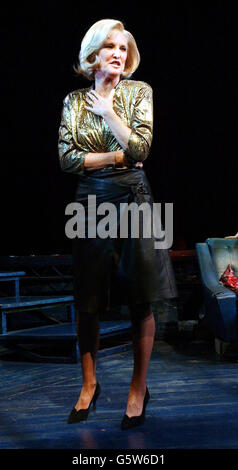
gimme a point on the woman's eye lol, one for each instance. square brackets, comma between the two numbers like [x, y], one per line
[110, 46]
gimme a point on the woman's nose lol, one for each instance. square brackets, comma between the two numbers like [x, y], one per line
[116, 53]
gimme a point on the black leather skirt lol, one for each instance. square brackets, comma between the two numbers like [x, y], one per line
[117, 269]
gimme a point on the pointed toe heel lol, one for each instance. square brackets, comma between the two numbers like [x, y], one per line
[128, 423]
[82, 415]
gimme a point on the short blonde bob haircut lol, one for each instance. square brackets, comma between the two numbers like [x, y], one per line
[93, 42]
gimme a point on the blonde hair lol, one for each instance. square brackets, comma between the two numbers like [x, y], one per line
[94, 40]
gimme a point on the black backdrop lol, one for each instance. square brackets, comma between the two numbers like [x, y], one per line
[189, 57]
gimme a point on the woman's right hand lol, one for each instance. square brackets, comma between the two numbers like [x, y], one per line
[120, 159]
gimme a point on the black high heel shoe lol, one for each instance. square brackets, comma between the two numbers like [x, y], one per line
[82, 415]
[128, 423]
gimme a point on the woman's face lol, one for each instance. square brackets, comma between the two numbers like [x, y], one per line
[113, 54]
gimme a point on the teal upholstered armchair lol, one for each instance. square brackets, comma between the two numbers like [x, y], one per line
[220, 302]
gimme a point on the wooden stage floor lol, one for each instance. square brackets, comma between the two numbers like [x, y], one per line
[194, 402]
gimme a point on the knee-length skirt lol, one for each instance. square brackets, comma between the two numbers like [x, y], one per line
[114, 263]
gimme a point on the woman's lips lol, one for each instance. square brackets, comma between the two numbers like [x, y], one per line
[116, 63]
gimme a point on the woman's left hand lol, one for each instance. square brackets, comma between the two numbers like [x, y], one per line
[98, 104]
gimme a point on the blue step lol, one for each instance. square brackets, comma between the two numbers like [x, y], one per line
[64, 332]
[23, 303]
[11, 304]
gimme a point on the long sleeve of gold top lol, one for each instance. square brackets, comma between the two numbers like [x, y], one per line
[81, 131]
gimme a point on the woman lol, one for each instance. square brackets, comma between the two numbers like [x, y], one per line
[105, 134]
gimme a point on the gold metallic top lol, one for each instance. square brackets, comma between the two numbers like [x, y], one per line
[81, 131]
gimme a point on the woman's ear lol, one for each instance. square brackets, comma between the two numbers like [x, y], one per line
[91, 58]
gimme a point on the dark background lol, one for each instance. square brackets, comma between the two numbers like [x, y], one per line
[189, 57]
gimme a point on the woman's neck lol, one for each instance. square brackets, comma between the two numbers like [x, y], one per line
[104, 85]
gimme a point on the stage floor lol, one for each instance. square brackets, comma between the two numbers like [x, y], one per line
[193, 405]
